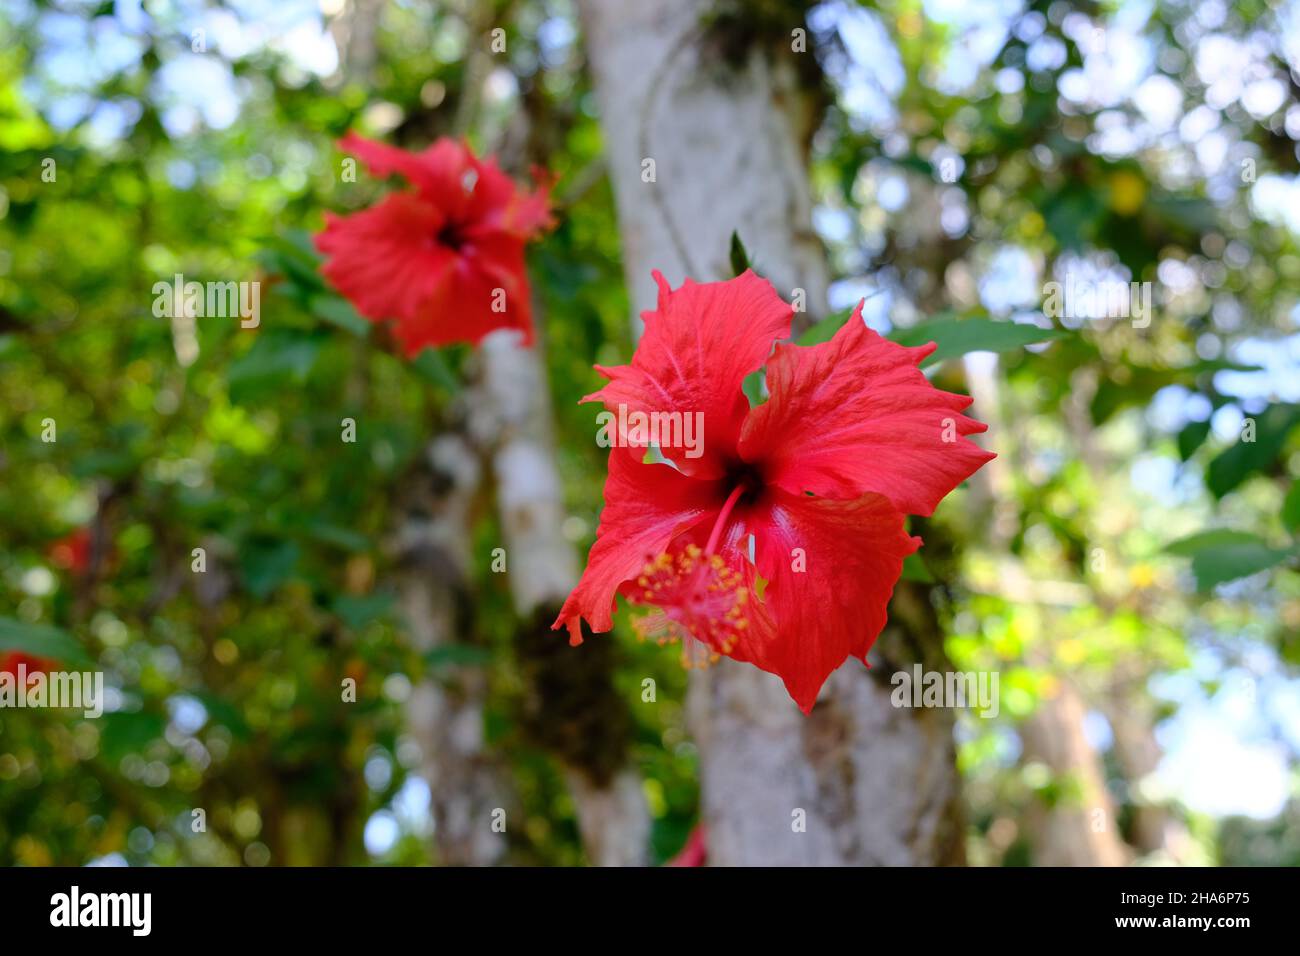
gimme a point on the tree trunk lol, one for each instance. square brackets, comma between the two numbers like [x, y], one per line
[858, 781]
[445, 710]
[575, 712]
[510, 420]
[1155, 828]
[1076, 826]
[355, 30]
[444, 713]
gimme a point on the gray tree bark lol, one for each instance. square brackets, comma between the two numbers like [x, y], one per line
[355, 31]
[1155, 829]
[510, 417]
[1078, 828]
[444, 713]
[504, 423]
[858, 781]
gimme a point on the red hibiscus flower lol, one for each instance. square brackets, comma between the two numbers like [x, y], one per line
[10, 660]
[695, 852]
[778, 541]
[444, 261]
[72, 551]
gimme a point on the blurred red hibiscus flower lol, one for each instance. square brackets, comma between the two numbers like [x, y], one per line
[780, 540]
[444, 261]
[695, 852]
[72, 551]
[10, 660]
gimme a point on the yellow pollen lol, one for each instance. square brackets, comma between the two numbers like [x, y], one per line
[697, 600]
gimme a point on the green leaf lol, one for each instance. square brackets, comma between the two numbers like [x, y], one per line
[266, 564]
[1223, 555]
[340, 537]
[1192, 437]
[953, 337]
[105, 462]
[300, 241]
[1073, 214]
[1291, 508]
[357, 611]
[1245, 458]
[754, 385]
[1215, 538]
[293, 256]
[277, 358]
[1218, 565]
[957, 337]
[302, 276]
[124, 732]
[432, 366]
[223, 712]
[42, 640]
[825, 329]
[340, 313]
[458, 655]
[739, 257]
[914, 569]
[1195, 214]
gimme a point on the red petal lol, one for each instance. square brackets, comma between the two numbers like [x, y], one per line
[10, 661]
[695, 852]
[465, 308]
[446, 263]
[855, 415]
[472, 192]
[439, 172]
[698, 347]
[386, 260]
[72, 551]
[852, 556]
[497, 205]
[646, 507]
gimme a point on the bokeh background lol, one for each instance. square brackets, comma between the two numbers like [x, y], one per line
[961, 155]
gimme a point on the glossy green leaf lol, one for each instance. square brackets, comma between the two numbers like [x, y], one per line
[1245, 457]
[42, 640]
[957, 337]
[739, 256]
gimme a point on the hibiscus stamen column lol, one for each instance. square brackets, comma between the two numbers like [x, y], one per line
[698, 599]
[723, 515]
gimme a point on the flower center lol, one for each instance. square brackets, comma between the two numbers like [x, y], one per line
[450, 235]
[747, 478]
[700, 600]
